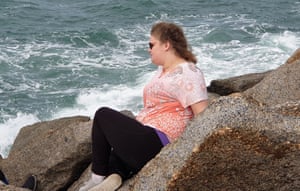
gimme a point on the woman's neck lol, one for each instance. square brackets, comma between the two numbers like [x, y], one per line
[172, 63]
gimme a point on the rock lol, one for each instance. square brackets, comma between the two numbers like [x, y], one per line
[235, 84]
[226, 148]
[56, 151]
[281, 85]
[11, 188]
[212, 96]
[295, 56]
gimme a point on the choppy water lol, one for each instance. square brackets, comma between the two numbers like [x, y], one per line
[62, 58]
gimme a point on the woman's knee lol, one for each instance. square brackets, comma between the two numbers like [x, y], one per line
[102, 111]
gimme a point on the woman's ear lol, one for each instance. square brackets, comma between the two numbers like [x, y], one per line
[167, 45]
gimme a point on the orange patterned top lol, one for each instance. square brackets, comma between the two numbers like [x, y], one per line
[168, 97]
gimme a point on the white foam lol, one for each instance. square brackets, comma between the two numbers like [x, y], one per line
[218, 60]
[286, 41]
[120, 97]
[10, 128]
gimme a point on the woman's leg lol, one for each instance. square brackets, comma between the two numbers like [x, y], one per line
[118, 166]
[131, 141]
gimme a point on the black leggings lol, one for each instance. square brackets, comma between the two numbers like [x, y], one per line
[121, 144]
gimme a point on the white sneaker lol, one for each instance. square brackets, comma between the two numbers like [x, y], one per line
[91, 182]
[111, 183]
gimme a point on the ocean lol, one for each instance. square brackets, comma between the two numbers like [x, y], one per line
[61, 58]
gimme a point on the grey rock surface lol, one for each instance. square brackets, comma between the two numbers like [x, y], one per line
[57, 152]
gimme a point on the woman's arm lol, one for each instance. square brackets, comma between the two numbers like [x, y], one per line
[199, 107]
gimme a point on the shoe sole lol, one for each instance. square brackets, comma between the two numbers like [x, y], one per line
[3, 178]
[31, 183]
[111, 183]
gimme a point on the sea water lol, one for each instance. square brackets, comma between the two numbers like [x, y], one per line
[62, 58]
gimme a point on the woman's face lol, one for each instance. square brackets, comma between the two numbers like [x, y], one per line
[156, 51]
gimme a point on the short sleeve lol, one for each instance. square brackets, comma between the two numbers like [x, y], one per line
[191, 86]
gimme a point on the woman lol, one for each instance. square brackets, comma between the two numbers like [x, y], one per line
[121, 145]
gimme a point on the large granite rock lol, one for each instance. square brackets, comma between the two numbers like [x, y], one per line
[56, 151]
[227, 147]
[235, 84]
[245, 141]
[281, 86]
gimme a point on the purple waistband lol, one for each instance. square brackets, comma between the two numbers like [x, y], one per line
[163, 137]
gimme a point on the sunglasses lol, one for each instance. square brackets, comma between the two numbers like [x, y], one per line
[151, 45]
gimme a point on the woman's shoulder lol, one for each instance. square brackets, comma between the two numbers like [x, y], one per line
[185, 70]
[190, 68]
